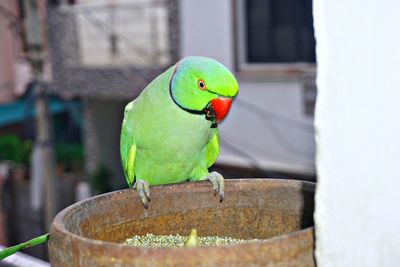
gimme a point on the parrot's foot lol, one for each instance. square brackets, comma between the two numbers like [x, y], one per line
[143, 189]
[217, 181]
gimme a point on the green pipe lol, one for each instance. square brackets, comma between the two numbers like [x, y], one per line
[33, 242]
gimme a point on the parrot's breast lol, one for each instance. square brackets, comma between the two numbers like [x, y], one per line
[170, 141]
[168, 153]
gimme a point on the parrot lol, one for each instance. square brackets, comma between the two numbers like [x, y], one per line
[169, 133]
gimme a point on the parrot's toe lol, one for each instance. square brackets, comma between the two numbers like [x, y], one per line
[143, 189]
[217, 181]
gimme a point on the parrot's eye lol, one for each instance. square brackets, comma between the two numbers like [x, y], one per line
[201, 85]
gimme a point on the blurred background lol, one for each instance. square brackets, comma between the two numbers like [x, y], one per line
[69, 67]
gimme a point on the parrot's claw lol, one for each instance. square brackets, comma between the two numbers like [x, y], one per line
[143, 189]
[217, 181]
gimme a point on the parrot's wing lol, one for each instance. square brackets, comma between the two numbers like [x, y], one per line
[212, 150]
[128, 154]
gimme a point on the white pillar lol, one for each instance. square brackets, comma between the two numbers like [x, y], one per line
[358, 132]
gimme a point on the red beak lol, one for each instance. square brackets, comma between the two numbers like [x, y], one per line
[221, 107]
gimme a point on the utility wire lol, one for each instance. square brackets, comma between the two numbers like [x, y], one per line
[286, 143]
[271, 118]
[252, 161]
[281, 154]
[269, 115]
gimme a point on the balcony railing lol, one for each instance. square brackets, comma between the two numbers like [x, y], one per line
[111, 50]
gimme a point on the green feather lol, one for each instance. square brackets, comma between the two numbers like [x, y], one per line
[212, 150]
[128, 153]
[161, 143]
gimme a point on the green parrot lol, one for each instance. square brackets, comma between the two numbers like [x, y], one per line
[169, 132]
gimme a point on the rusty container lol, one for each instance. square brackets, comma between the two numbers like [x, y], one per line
[90, 232]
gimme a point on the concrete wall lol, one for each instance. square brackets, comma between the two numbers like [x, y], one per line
[8, 51]
[358, 125]
[15, 70]
[207, 29]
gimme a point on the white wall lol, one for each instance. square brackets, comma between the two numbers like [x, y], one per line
[358, 124]
[207, 30]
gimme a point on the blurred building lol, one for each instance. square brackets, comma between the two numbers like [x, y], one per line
[19, 220]
[12, 63]
[106, 51]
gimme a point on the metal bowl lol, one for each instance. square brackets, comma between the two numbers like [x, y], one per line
[90, 232]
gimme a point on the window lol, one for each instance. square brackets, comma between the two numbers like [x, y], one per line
[275, 31]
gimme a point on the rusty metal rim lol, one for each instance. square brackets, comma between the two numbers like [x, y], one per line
[199, 186]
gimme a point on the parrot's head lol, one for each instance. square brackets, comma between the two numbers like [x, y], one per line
[202, 85]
